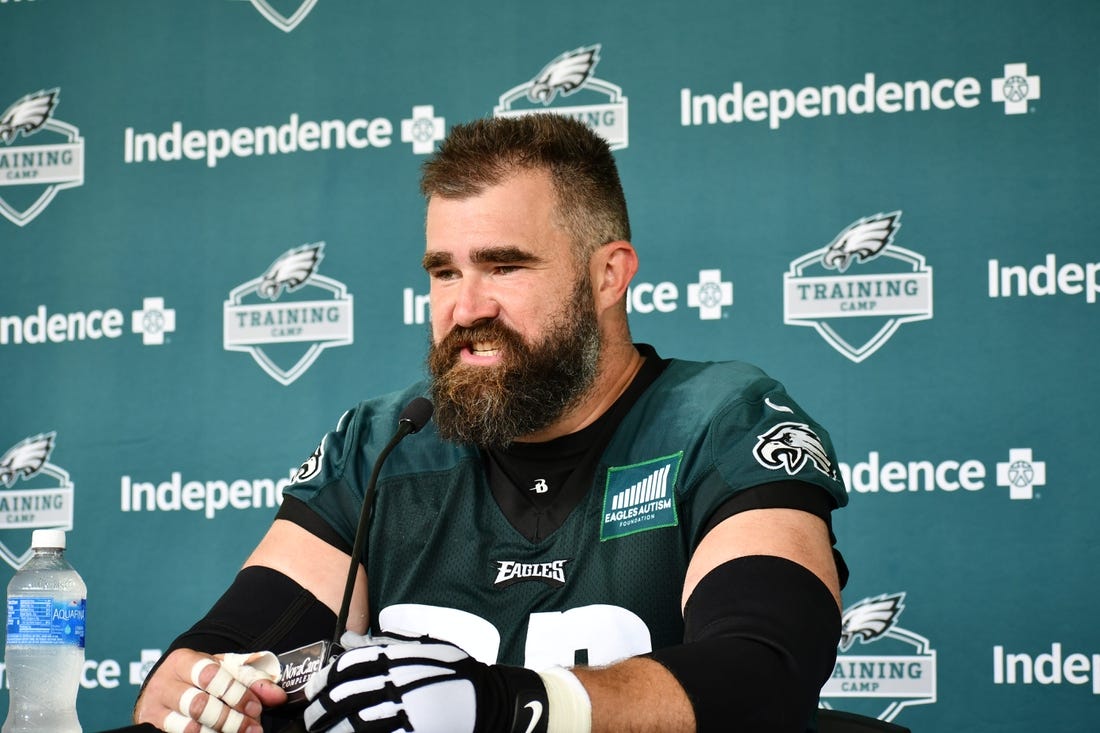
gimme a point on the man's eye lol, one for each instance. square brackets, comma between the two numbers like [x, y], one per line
[443, 274]
[505, 269]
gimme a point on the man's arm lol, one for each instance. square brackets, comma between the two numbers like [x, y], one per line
[315, 565]
[640, 694]
[304, 559]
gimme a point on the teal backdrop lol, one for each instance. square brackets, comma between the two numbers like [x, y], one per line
[888, 206]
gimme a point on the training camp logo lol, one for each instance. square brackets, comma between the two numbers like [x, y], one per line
[46, 502]
[877, 287]
[286, 21]
[32, 173]
[286, 317]
[900, 674]
[604, 108]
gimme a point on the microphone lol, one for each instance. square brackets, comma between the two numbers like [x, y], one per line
[414, 417]
[300, 664]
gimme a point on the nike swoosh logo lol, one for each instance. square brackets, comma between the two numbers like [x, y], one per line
[536, 714]
[777, 408]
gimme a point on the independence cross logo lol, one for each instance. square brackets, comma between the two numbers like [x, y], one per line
[45, 503]
[901, 673]
[877, 286]
[286, 21]
[640, 497]
[274, 316]
[1015, 89]
[599, 104]
[31, 173]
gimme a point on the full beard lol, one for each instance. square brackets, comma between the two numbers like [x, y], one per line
[529, 390]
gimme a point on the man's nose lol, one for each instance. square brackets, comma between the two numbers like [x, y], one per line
[474, 303]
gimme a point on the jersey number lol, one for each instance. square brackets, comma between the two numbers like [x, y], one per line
[606, 633]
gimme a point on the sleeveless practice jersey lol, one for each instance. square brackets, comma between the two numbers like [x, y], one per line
[443, 560]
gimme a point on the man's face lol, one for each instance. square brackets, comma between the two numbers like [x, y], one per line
[515, 339]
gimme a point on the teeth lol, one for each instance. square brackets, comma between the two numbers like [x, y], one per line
[484, 349]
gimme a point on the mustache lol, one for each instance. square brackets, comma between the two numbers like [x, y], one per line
[494, 331]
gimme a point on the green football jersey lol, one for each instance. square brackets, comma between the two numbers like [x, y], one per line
[443, 559]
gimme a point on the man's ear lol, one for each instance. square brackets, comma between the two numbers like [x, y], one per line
[612, 268]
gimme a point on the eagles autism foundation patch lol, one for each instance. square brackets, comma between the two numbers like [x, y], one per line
[640, 497]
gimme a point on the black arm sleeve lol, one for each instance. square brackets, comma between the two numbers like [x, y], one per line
[263, 610]
[760, 640]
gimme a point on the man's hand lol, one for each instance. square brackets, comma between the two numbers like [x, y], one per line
[192, 692]
[424, 685]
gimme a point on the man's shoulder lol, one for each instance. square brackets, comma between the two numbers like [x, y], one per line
[714, 382]
[374, 421]
[388, 406]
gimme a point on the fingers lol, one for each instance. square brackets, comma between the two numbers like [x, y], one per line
[221, 684]
[194, 693]
[177, 723]
[210, 711]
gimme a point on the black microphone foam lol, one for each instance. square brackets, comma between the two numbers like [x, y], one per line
[417, 414]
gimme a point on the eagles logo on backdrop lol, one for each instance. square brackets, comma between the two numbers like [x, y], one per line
[284, 14]
[32, 173]
[286, 335]
[877, 287]
[45, 502]
[603, 108]
[900, 674]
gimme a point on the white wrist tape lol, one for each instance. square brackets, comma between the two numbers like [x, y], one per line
[209, 716]
[232, 723]
[249, 668]
[212, 712]
[176, 723]
[570, 707]
[236, 673]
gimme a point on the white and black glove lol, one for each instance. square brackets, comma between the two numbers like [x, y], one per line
[423, 685]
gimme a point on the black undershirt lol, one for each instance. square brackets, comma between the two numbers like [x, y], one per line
[563, 469]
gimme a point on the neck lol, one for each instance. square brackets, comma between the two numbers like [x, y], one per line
[620, 363]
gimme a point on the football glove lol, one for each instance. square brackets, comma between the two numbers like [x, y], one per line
[422, 685]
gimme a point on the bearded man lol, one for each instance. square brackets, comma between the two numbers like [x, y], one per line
[588, 537]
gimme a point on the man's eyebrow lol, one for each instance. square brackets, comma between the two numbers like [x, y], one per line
[436, 259]
[504, 254]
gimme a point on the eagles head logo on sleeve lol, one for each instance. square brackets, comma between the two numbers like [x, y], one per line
[870, 618]
[565, 74]
[25, 458]
[790, 446]
[312, 465]
[27, 115]
[291, 270]
[864, 240]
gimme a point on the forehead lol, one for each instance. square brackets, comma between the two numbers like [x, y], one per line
[518, 212]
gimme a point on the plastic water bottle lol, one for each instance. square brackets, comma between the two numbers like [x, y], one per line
[44, 649]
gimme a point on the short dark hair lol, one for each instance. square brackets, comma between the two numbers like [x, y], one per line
[586, 182]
